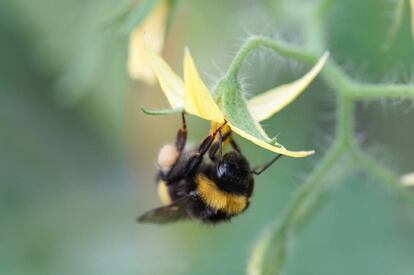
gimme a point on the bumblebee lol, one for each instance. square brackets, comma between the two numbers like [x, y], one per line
[191, 187]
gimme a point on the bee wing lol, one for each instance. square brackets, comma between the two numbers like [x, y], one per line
[166, 214]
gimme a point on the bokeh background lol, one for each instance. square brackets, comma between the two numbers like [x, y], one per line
[77, 156]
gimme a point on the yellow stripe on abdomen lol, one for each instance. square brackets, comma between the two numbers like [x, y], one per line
[163, 193]
[218, 199]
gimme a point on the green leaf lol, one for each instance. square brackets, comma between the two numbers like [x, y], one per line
[234, 106]
[138, 14]
[236, 111]
[161, 112]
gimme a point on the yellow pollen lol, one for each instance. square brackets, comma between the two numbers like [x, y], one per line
[163, 193]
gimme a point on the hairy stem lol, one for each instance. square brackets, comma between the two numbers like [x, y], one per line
[375, 91]
[255, 42]
[270, 252]
[312, 184]
[345, 120]
[331, 73]
[269, 255]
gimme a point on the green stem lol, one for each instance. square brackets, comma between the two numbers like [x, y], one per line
[269, 255]
[345, 120]
[315, 35]
[331, 74]
[312, 184]
[256, 42]
[344, 137]
[335, 78]
[373, 91]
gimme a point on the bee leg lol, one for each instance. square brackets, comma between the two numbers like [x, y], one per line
[215, 146]
[234, 145]
[261, 168]
[181, 138]
[180, 141]
[195, 161]
[218, 146]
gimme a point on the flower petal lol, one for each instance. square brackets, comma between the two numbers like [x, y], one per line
[267, 104]
[171, 84]
[154, 23]
[280, 150]
[197, 98]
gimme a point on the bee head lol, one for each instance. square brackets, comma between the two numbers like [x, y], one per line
[233, 173]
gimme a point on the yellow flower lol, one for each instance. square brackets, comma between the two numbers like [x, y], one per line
[408, 179]
[154, 23]
[192, 94]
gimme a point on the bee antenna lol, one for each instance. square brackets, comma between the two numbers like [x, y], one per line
[261, 168]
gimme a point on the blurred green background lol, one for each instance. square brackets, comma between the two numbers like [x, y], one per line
[77, 157]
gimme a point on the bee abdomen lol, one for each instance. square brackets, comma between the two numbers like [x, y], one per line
[219, 200]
